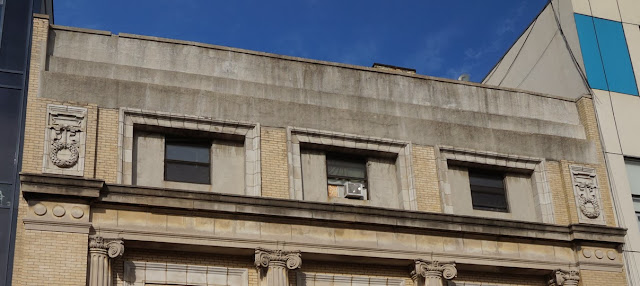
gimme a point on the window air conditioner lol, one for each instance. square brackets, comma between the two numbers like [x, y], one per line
[355, 190]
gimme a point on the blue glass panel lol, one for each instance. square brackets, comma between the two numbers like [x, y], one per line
[10, 105]
[591, 52]
[615, 56]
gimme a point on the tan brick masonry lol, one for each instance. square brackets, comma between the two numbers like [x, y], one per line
[426, 179]
[275, 172]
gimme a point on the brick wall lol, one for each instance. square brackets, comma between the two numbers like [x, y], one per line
[588, 119]
[36, 107]
[275, 171]
[426, 179]
[558, 192]
[107, 157]
[602, 278]
[53, 258]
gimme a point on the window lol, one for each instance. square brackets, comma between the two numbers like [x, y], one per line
[346, 177]
[636, 206]
[633, 174]
[488, 191]
[187, 161]
[606, 54]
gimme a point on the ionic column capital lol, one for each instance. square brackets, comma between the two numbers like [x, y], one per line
[114, 247]
[268, 258]
[562, 277]
[434, 269]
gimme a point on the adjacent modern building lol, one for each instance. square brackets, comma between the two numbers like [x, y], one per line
[591, 47]
[150, 161]
[15, 45]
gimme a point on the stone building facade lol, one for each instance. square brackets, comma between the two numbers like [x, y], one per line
[159, 162]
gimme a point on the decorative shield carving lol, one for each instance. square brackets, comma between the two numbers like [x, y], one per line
[587, 193]
[65, 137]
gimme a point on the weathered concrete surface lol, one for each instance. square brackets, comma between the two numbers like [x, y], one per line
[155, 74]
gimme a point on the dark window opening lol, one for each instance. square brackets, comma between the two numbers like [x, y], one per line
[346, 177]
[636, 206]
[487, 191]
[187, 160]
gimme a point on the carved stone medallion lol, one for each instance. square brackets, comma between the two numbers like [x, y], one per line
[587, 194]
[65, 140]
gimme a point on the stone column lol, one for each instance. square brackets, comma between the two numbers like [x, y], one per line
[101, 251]
[274, 266]
[432, 273]
[562, 277]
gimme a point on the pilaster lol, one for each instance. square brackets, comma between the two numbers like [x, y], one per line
[101, 251]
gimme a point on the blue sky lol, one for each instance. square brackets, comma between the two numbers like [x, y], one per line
[438, 38]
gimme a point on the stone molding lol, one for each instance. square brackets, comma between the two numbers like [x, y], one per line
[541, 190]
[139, 273]
[65, 140]
[265, 258]
[56, 226]
[372, 254]
[402, 149]
[586, 190]
[302, 211]
[130, 117]
[304, 278]
[561, 277]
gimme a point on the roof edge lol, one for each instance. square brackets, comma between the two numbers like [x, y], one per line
[305, 60]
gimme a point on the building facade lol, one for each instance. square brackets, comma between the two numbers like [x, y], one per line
[15, 44]
[591, 47]
[151, 161]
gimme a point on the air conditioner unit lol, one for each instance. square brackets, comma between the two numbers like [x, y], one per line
[355, 190]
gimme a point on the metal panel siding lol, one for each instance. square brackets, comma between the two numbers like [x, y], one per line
[615, 56]
[591, 52]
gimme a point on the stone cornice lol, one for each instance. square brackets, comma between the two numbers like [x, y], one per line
[302, 211]
[60, 185]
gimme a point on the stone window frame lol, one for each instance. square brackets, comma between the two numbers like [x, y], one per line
[541, 190]
[402, 149]
[304, 278]
[251, 132]
[180, 274]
